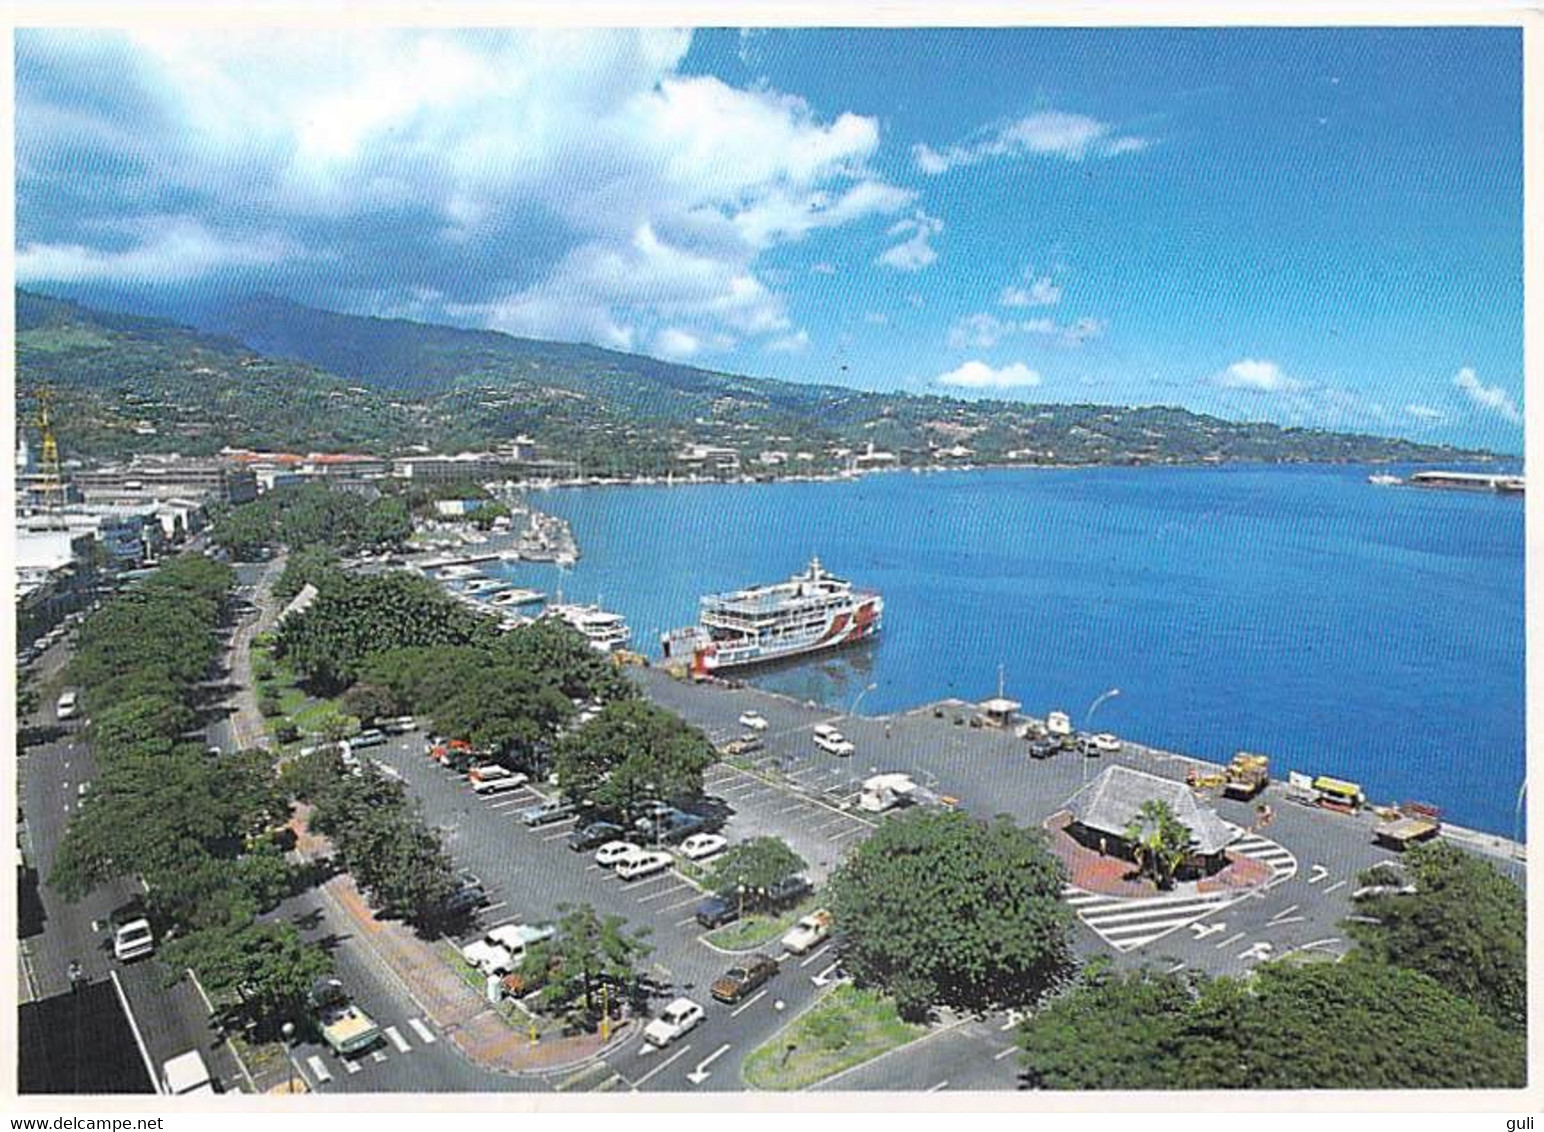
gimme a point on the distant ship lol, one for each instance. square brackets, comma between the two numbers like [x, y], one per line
[810, 612]
[1385, 480]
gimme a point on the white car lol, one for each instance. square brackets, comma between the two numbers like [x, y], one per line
[643, 865]
[834, 743]
[133, 940]
[675, 1020]
[615, 852]
[808, 933]
[503, 949]
[1107, 743]
[700, 845]
[754, 720]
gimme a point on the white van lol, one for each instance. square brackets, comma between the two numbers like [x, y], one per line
[65, 708]
[832, 741]
[186, 1075]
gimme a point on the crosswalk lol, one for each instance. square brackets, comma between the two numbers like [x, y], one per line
[1127, 924]
[325, 1066]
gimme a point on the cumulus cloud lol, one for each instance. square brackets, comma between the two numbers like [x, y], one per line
[790, 343]
[914, 252]
[1046, 133]
[1259, 376]
[1491, 398]
[1040, 292]
[1424, 412]
[572, 183]
[823, 268]
[979, 375]
[983, 330]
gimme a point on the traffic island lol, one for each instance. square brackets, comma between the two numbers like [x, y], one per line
[756, 929]
[845, 1027]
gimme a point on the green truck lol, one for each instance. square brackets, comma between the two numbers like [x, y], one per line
[345, 1028]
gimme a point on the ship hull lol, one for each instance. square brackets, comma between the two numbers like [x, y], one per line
[846, 628]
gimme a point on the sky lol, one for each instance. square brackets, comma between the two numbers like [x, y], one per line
[1314, 227]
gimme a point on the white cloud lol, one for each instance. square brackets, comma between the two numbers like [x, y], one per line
[1046, 133]
[1041, 292]
[1258, 376]
[984, 330]
[915, 252]
[790, 343]
[673, 342]
[543, 154]
[979, 375]
[823, 268]
[166, 250]
[1425, 412]
[1492, 398]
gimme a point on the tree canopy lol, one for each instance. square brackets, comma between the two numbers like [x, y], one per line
[1348, 1025]
[630, 752]
[588, 952]
[756, 864]
[1465, 926]
[311, 515]
[943, 910]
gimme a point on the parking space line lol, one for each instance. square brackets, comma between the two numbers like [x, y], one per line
[861, 827]
[666, 1064]
[560, 836]
[683, 923]
[796, 806]
[378, 1056]
[1332, 887]
[692, 899]
[1235, 937]
[425, 1035]
[495, 907]
[661, 892]
[748, 1003]
[1004, 1053]
[825, 947]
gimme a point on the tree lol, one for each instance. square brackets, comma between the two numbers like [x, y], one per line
[1161, 841]
[369, 702]
[756, 865]
[306, 565]
[630, 752]
[1357, 1024]
[506, 710]
[944, 910]
[559, 654]
[1465, 926]
[267, 966]
[589, 951]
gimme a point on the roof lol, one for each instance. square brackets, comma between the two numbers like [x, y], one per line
[1000, 705]
[302, 602]
[1110, 802]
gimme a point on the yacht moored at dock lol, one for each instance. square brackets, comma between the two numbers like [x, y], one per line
[811, 612]
[606, 631]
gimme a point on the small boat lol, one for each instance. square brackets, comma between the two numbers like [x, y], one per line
[1385, 480]
[518, 597]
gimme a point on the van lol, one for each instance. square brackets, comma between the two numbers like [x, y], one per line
[825, 731]
[65, 708]
[371, 738]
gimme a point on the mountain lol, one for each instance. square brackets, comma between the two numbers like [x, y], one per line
[268, 372]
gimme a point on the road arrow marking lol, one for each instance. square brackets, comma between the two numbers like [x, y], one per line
[700, 1074]
[1204, 930]
[666, 1064]
[824, 977]
[1319, 873]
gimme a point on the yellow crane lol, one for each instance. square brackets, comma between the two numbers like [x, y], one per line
[51, 485]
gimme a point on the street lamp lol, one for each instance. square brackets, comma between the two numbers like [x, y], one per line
[858, 699]
[1088, 718]
[1517, 818]
[288, 1032]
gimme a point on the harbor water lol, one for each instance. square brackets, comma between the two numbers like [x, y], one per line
[1373, 633]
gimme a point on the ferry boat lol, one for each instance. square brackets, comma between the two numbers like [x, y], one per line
[810, 612]
[606, 631]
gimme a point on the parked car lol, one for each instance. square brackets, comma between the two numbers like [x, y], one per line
[469, 895]
[745, 745]
[64, 708]
[594, 835]
[808, 933]
[370, 738]
[716, 911]
[1107, 744]
[642, 865]
[726, 907]
[400, 725]
[832, 741]
[671, 826]
[615, 852]
[503, 949]
[789, 890]
[552, 810]
[133, 940]
[675, 1020]
[1044, 748]
[744, 978]
[701, 845]
[491, 778]
[754, 720]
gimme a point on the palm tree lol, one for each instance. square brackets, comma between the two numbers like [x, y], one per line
[1160, 840]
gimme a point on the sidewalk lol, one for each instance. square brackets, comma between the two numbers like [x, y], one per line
[247, 727]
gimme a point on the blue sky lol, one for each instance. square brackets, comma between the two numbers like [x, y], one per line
[1316, 227]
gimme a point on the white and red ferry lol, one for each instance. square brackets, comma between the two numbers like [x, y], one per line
[809, 612]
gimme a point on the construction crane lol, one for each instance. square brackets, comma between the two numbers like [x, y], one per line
[51, 477]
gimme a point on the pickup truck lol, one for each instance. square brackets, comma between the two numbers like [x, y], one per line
[345, 1027]
[808, 933]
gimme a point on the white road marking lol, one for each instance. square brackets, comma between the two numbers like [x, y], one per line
[486, 908]
[694, 898]
[939, 1087]
[1319, 873]
[425, 1035]
[861, 827]
[1285, 912]
[1284, 923]
[318, 1069]
[1234, 938]
[378, 1056]
[1004, 1053]
[662, 892]
[700, 1074]
[748, 1003]
[1333, 887]
[824, 947]
[669, 1061]
[688, 920]
[398, 1040]
[350, 1064]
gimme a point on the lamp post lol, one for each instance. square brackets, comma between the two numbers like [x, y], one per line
[1088, 717]
[288, 1032]
[858, 699]
[1517, 818]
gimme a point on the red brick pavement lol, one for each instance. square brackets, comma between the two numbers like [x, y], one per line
[1114, 876]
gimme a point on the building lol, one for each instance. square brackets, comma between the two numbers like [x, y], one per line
[1103, 811]
[473, 467]
[709, 459]
[456, 508]
[166, 477]
[875, 458]
[55, 575]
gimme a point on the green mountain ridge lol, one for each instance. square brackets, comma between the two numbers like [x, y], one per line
[271, 373]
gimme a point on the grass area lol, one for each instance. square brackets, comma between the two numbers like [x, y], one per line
[261, 1058]
[757, 928]
[311, 715]
[844, 1028]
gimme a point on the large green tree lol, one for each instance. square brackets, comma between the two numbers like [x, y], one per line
[1465, 926]
[630, 752]
[1160, 840]
[755, 865]
[504, 709]
[264, 969]
[560, 654]
[1359, 1024]
[943, 910]
[589, 951]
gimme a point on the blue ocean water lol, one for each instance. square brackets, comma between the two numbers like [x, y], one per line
[1369, 632]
